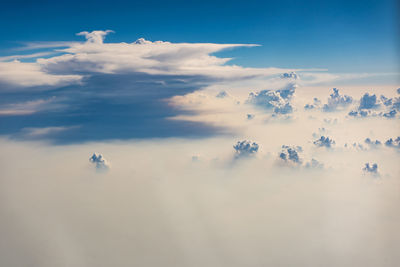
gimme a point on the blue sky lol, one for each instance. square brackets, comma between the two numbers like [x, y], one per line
[342, 36]
[102, 84]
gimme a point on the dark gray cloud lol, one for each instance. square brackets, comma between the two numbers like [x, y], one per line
[109, 107]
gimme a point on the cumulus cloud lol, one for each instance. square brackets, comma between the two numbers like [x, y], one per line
[291, 154]
[337, 101]
[289, 75]
[324, 142]
[371, 168]
[368, 101]
[99, 161]
[314, 164]
[316, 104]
[222, 94]
[393, 143]
[245, 148]
[96, 37]
[278, 101]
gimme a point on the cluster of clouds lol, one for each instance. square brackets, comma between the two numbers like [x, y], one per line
[277, 101]
[371, 105]
[324, 141]
[370, 144]
[245, 148]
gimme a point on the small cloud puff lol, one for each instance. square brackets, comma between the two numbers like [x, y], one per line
[337, 101]
[314, 164]
[245, 148]
[100, 162]
[289, 75]
[316, 104]
[371, 168]
[324, 142]
[373, 144]
[95, 37]
[393, 143]
[250, 116]
[222, 94]
[291, 154]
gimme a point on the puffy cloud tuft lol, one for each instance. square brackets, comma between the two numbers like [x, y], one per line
[393, 143]
[96, 37]
[324, 142]
[289, 75]
[278, 101]
[337, 101]
[245, 148]
[314, 164]
[100, 162]
[371, 168]
[222, 94]
[250, 116]
[316, 104]
[368, 101]
[291, 154]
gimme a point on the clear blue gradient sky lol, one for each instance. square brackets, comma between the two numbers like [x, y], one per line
[342, 36]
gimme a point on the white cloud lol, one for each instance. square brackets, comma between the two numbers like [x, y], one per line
[21, 74]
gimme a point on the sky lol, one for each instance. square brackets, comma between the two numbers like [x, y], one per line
[299, 34]
[199, 133]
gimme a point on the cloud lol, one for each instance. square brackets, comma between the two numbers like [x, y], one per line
[245, 148]
[290, 75]
[368, 101]
[371, 168]
[314, 164]
[99, 161]
[222, 94]
[316, 104]
[324, 142]
[291, 154]
[250, 116]
[393, 143]
[16, 75]
[373, 144]
[95, 37]
[278, 101]
[337, 101]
